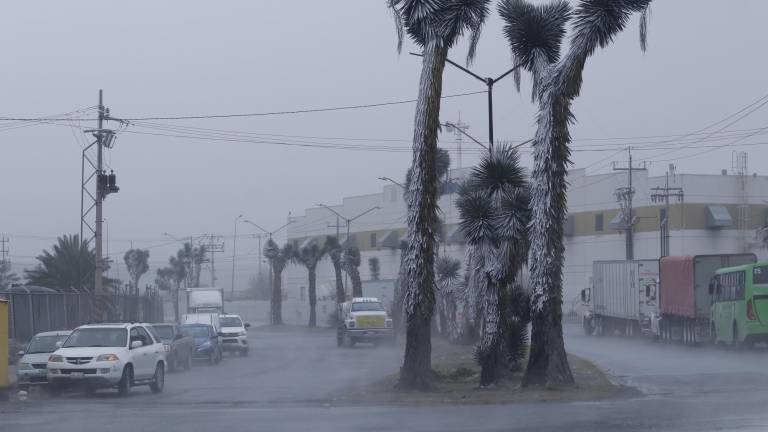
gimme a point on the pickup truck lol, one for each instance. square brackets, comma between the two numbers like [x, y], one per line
[179, 348]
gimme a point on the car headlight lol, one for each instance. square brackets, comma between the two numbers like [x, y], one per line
[56, 358]
[242, 333]
[167, 347]
[205, 345]
[351, 323]
[388, 323]
[24, 366]
[107, 357]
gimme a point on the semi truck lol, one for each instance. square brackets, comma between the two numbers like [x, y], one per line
[623, 297]
[685, 299]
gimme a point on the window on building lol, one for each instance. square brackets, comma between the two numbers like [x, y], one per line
[373, 240]
[599, 222]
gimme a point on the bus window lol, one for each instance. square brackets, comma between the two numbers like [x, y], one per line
[740, 286]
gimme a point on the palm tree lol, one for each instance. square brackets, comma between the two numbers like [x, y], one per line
[335, 252]
[309, 256]
[350, 262]
[278, 259]
[70, 266]
[136, 261]
[374, 268]
[494, 208]
[535, 34]
[164, 281]
[447, 271]
[436, 26]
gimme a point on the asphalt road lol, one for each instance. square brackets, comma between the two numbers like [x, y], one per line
[289, 381]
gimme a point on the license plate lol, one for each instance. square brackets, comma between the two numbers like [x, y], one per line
[76, 374]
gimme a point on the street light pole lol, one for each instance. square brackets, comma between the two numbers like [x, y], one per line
[489, 82]
[234, 254]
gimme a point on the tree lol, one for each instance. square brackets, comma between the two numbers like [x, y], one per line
[447, 271]
[350, 262]
[374, 268]
[494, 211]
[309, 256]
[70, 266]
[534, 34]
[435, 26]
[335, 252]
[165, 282]
[192, 257]
[136, 261]
[278, 258]
[7, 278]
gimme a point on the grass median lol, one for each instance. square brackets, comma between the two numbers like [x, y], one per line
[457, 381]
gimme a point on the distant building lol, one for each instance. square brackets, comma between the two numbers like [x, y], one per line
[717, 214]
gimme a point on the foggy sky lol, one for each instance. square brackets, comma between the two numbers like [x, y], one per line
[164, 58]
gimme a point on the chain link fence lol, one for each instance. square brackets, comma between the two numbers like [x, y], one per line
[30, 312]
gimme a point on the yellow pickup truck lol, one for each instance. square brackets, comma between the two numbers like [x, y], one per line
[363, 319]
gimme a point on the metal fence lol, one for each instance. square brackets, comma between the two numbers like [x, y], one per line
[31, 313]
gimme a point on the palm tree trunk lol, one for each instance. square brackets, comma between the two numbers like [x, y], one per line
[422, 217]
[547, 362]
[357, 285]
[277, 297]
[340, 294]
[489, 349]
[312, 297]
[176, 315]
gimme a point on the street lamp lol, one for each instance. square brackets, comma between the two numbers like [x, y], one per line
[489, 82]
[234, 249]
[392, 181]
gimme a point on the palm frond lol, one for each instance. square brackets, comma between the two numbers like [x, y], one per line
[392, 4]
[596, 22]
[476, 213]
[645, 17]
[499, 171]
[447, 269]
[534, 30]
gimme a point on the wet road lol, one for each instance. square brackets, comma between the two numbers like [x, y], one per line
[289, 381]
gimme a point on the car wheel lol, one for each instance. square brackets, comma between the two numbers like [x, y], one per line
[126, 381]
[172, 363]
[221, 356]
[159, 381]
[212, 358]
[188, 362]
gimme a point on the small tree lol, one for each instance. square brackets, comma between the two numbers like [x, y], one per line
[136, 261]
[447, 273]
[309, 256]
[278, 258]
[336, 252]
[374, 268]
[7, 277]
[351, 264]
[70, 265]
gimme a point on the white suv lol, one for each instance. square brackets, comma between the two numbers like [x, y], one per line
[234, 334]
[108, 355]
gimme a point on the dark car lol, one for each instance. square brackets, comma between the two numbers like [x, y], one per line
[206, 341]
[179, 348]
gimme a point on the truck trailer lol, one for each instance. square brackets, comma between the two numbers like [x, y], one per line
[685, 301]
[623, 297]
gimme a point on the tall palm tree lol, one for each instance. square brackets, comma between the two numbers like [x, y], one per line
[70, 265]
[335, 252]
[535, 34]
[350, 262]
[309, 256]
[435, 26]
[494, 211]
[278, 258]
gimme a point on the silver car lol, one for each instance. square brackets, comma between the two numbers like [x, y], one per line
[31, 369]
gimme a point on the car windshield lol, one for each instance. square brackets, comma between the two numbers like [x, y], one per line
[44, 344]
[97, 337]
[367, 306]
[195, 331]
[231, 322]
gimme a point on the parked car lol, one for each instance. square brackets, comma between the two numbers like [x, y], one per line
[179, 348]
[206, 339]
[32, 366]
[234, 334]
[120, 355]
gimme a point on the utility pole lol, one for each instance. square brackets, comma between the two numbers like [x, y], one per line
[457, 129]
[337, 226]
[234, 249]
[662, 194]
[105, 185]
[215, 244]
[4, 249]
[624, 195]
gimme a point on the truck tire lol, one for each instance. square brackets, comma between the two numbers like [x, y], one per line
[348, 341]
[339, 338]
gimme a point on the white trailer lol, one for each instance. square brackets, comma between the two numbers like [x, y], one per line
[623, 297]
[205, 300]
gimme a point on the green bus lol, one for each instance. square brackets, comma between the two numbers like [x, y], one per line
[739, 312]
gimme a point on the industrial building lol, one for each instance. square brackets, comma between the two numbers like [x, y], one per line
[703, 213]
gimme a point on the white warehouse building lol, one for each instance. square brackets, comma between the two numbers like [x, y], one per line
[723, 213]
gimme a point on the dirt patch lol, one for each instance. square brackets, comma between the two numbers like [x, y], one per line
[457, 383]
